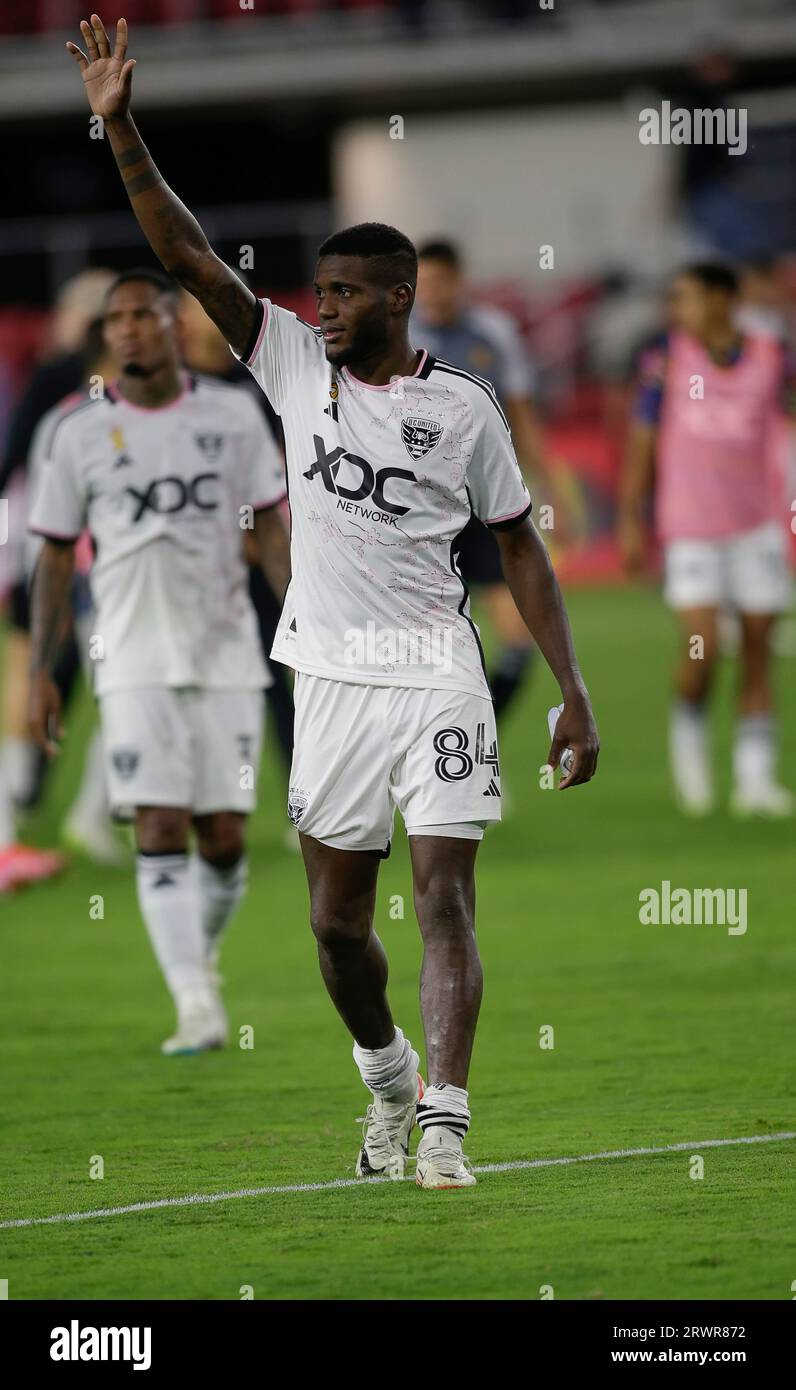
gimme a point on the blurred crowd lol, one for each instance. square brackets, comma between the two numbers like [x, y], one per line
[453, 320]
[30, 16]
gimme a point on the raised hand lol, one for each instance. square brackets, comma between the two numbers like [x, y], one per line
[108, 78]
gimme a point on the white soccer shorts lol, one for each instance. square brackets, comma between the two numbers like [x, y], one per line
[187, 748]
[748, 572]
[362, 750]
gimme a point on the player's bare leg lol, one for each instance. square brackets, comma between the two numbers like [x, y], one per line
[342, 886]
[168, 896]
[223, 872]
[688, 733]
[451, 985]
[754, 754]
[451, 979]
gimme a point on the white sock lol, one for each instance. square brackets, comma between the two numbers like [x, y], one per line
[19, 763]
[168, 895]
[220, 891]
[391, 1071]
[91, 807]
[753, 753]
[445, 1107]
[7, 834]
[689, 752]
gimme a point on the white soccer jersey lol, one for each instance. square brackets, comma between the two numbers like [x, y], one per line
[382, 480]
[162, 492]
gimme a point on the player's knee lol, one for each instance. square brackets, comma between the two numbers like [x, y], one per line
[697, 672]
[221, 841]
[444, 907]
[162, 830]
[339, 930]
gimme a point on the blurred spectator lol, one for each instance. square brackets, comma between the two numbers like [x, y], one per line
[763, 307]
[719, 216]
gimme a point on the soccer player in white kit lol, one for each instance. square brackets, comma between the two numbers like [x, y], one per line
[388, 454]
[168, 471]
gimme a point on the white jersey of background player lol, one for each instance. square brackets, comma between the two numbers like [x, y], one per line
[167, 492]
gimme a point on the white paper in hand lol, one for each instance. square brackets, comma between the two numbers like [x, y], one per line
[567, 757]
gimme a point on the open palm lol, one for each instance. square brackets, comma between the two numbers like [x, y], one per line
[107, 76]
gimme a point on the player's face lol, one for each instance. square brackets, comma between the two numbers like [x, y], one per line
[354, 310]
[695, 309]
[140, 329]
[440, 292]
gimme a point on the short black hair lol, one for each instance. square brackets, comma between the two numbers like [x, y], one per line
[394, 252]
[713, 275]
[151, 276]
[439, 250]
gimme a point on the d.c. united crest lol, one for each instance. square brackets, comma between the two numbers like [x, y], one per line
[420, 436]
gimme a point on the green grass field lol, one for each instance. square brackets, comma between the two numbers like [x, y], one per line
[663, 1035]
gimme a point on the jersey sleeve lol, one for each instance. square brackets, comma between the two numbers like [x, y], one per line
[280, 350]
[59, 504]
[497, 488]
[266, 473]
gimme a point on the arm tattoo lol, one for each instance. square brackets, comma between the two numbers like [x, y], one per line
[177, 239]
[142, 182]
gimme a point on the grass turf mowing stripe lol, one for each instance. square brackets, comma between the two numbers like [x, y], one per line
[201, 1198]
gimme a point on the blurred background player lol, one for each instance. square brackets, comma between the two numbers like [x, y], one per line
[484, 340]
[205, 351]
[709, 401]
[21, 763]
[164, 468]
[87, 827]
[77, 304]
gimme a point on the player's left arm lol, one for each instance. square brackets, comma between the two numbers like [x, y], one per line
[499, 497]
[273, 549]
[535, 590]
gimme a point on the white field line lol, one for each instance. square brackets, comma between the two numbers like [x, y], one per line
[204, 1198]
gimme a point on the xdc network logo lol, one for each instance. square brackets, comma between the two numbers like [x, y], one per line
[371, 482]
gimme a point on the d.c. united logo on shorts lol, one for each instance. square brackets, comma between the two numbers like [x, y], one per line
[296, 804]
[125, 760]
